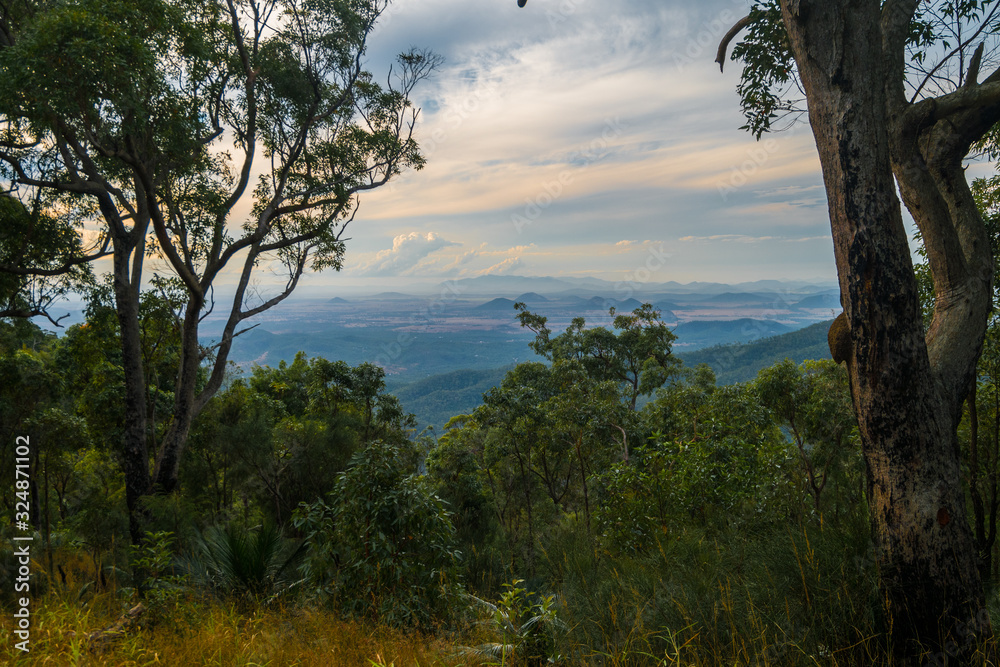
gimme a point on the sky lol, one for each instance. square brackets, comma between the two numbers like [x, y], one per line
[586, 138]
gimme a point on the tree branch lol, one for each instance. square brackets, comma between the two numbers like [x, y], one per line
[720, 56]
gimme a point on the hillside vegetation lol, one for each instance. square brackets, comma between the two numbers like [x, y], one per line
[740, 362]
[607, 505]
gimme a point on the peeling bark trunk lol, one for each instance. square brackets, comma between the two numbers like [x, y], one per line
[907, 390]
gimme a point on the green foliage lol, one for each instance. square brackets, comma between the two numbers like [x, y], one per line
[98, 516]
[769, 68]
[526, 624]
[153, 559]
[774, 594]
[283, 435]
[680, 532]
[382, 544]
[636, 353]
[714, 457]
[939, 48]
[812, 402]
[250, 565]
[32, 237]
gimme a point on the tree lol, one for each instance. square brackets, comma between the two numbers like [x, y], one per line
[148, 121]
[812, 404]
[636, 353]
[382, 544]
[895, 100]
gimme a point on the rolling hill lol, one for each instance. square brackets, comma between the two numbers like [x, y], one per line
[741, 362]
[434, 400]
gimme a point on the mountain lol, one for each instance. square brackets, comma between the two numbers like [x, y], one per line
[498, 303]
[493, 285]
[829, 300]
[668, 317]
[436, 399]
[704, 333]
[664, 306]
[743, 298]
[530, 298]
[599, 303]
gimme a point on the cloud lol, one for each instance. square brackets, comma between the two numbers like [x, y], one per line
[806, 239]
[740, 238]
[504, 267]
[612, 121]
[407, 252]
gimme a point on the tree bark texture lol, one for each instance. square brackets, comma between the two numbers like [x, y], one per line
[907, 389]
[134, 457]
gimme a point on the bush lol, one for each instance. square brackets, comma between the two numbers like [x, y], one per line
[254, 565]
[381, 544]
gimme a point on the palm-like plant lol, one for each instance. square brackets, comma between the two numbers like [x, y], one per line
[526, 628]
[257, 564]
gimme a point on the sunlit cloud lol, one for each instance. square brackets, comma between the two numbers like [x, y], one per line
[407, 251]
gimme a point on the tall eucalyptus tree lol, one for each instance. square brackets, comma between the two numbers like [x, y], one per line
[196, 139]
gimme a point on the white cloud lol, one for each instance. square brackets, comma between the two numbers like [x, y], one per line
[406, 254]
[505, 267]
[610, 120]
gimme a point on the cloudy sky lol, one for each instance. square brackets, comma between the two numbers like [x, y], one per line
[586, 138]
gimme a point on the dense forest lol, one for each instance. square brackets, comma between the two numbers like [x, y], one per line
[606, 504]
[556, 521]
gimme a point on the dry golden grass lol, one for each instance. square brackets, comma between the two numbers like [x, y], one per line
[212, 633]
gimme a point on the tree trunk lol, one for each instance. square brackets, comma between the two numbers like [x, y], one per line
[168, 459]
[905, 395]
[975, 494]
[135, 455]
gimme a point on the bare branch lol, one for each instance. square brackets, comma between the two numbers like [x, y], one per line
[720, 56]
[977, 58]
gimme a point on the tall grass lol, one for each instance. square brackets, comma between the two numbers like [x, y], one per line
[764, 595]
[210, 632]
[769, 595]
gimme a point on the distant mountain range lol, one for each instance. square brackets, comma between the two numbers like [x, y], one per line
[497, 285]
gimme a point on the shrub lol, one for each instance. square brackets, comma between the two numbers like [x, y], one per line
[381, 544]
[255, 565]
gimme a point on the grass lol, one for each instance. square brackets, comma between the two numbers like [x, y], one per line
[763, 598]
[780, 597]
[199, 632]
